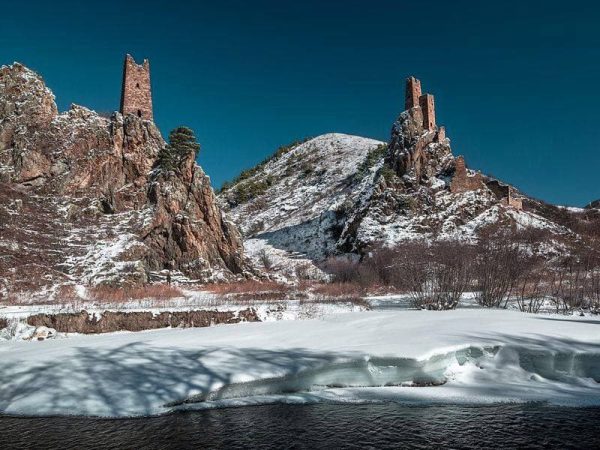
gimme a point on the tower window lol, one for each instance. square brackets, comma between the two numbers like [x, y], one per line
[137, 85]
[139, 113]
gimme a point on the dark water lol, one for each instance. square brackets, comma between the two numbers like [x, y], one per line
[319, 426]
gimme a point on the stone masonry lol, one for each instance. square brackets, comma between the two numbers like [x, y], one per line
[136, 93]
[504, 193]
[412, 93]
[441, 136]
[462, 181]
[414, 98]
[428, 108]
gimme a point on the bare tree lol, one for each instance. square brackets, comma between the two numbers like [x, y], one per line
[530, 289]
[265, 259]
[498, 266]
[437, 274]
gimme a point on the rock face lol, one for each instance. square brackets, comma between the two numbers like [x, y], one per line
[415, 153]
[81, 199]
[111, 321]
[424, 192]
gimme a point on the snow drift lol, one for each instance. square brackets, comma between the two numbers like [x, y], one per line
[408, 356]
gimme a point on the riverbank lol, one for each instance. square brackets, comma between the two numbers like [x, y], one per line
[463, 356]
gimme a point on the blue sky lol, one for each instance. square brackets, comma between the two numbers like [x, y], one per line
[517, 85]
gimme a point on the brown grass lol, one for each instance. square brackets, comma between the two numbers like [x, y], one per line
[251, 290]
[121, 295]
[272, 291]
[67, 293]
[339, 290]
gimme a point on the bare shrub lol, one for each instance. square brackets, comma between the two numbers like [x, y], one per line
[437, 274]
[569, 283]
[497, 268]
[382, 263]
[593, 287]
[530, 289]
[373, 271]
[434, 275]
[342, 270]
[575, 281]
[265, 259]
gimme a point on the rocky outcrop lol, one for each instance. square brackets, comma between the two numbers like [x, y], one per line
[110, 321]
[82, 200]
[416, 154]
[185, 213]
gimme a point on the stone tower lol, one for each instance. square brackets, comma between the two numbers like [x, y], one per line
[414, 97]
[412, 93]
[136, 93]
[428, 108]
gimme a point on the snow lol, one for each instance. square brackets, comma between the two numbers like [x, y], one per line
[192, 300]
[17, 330]
[464, 356]
[293, 220]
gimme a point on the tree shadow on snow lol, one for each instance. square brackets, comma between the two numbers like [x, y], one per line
[134, 378]
[557, 319]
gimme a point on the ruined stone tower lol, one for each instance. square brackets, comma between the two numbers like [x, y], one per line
[414, 98]
[136, 93]
[428, 108]
[462, 180]
[413, 92]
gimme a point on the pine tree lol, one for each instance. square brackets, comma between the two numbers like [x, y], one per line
[182, 144]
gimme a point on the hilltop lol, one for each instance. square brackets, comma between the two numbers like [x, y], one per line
[339, 195]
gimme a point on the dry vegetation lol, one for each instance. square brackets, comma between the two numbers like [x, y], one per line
[66, 297]
[248, 287]
[251, 290]
[503, 266]
[125, 294]
[255, 291]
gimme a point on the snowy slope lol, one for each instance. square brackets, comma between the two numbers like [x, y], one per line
[329, 196]
[299, 216]
[473, 356]
[308, 184]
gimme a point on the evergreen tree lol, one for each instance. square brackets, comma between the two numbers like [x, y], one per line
[182, 144]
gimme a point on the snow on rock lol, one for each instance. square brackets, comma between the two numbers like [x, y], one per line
[20, 331]
[468, 356]
[297, 217]
[83, 202]
[337, 194]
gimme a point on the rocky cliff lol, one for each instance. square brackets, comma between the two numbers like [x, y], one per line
[82, 201]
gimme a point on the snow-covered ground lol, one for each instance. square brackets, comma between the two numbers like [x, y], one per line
[469, 355]
[193, 300]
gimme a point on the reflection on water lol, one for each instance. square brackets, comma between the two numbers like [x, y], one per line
[319, 426]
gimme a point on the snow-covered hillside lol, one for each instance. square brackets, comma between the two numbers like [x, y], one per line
[300, 212]
[339, 194]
